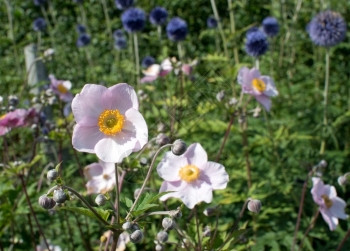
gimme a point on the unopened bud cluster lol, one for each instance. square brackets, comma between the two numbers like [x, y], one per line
[179, 147]
[136, 235]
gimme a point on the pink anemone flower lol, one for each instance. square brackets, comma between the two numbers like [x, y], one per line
[16, 118]
[331, 206]
[101, 177]
[108, 122]
[61, 88]
[261, 87]
[191, 177]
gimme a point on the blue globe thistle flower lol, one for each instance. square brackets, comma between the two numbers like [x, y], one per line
[158, 16]
[212, 23]
[147, 61]
[118, 34]
[177, 29]
[39, 2]
[120, 43]
[253, 29]
[83, 40]
[123, 4]
[133, 19]
[39, 24]
[270, 26]
[327, 29]
[81, 29]
[256, 44]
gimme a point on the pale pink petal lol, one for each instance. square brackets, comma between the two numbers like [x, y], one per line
[243, 72]
[95, 186]
[338, 208]
[108, 168]
[196, 155]
[93, 170]
[187, 69]
[317, 190]
[152, 71]
[163, 73]
[109, 150]
[85, 138]
[270, 86]
[67, 84]
[135, 126]
[217, 175]
[168, 168]
[331, 192]
[148, 79]
[90, 103]
[4, 130]
[265, 101]
[329, 219]
[123, 97]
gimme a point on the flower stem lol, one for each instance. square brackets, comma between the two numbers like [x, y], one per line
[343, 241]
[233, 29]
[198, 234]
[137, 59]
[117, 199]
[227, 133]
[312, 224]
[146, 180]
[216, 14]
[108, 21]
[325, 96]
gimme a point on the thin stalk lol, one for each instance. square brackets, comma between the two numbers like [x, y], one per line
[257, 64]
[137, 59]
[52, 13]
[233, 29]
[24, 188]
[146, 180]
[198, 234]
[83, 14]
[227, 133]
[325, 103]
[312, 224]
[246, 153]
[343, 241]
[31, 231]
[182, 77]
[216, 15]
[117, 199]
[159, 31]
[108, 21]
[39, 41]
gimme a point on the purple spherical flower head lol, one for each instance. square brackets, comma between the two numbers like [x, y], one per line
[177, 29]
[256, 44]
[133, 19]
[120, 43]
[83, 40]
[212, 23]
[39, 2]
[327, 29]
[123, 4]
[147, 61]
[158, 16]
[81, 29]
[39, 24]
[118, 34]
[270, 26]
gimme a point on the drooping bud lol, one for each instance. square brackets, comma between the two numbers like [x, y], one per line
[52, 175]
[59, 196]
[168, 223]
[342, 180]
[100, 200]
[13, 100]
[134, 227]
[143, 161]
[162, 236]
[179, 147]
[127, 225]
[46, 202]
[322, 164]
[210, 211]
[254, 206]
[162, 139]
[136, 236]
[159, 247]
[160, 127]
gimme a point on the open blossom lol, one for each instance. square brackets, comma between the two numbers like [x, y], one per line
[108, 122]
[261, 87]
[61, 88]
[16, 118]
[101, 177]
[191, 177]
[331, 206]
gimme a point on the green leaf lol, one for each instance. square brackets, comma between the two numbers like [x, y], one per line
[84, 211]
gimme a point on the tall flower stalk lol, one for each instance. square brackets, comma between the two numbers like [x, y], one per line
[325, 102]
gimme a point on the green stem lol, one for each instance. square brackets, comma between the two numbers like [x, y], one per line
[137, 59]
[216, 15]
[233, 29]
[117, 193]
[108, 21]
[325, 96]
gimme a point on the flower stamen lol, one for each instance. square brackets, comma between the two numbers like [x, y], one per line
[327, 201]
[111, 122]
[61, 88]
[259, 85]
[189, 173]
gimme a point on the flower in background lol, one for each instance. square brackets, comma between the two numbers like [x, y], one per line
[123, 4]
[118, 34]
[147, 61]
[81, 29]
[191, 177]
[270, 26]
[158, 16]
[108, 122]
[39, 24]
[61, 88]
[256, 44]
[177, 29]
[101, 177]
[327, 29]
[212, 23]
[83, 40]
[120, 43]
[133, 19]
[16, 118]
[261, 87]
[331, 206]
[39, 2]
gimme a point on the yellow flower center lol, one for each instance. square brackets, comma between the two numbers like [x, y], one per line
[106, 177]
[327, 201]
[61, 88]
[189, 173]
[258, 84]
[110, 122]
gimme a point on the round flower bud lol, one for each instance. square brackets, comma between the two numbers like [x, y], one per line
[134, 227]
[59, 196]
[127, 225]
[162, 139]
[322, 164]
[143, 161]
[342, 180]
[136, 236]
[175, 213]
[168, 223]
[46, 202]
[13, 100]
[254, 206]
[210, 211]
[160, 127]
[162, 236]
[52, 175]
[12, 108]
[270, 26]
[159, 247]
[100, 200]
[179, 147]
[220, 95]
[206, 231]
